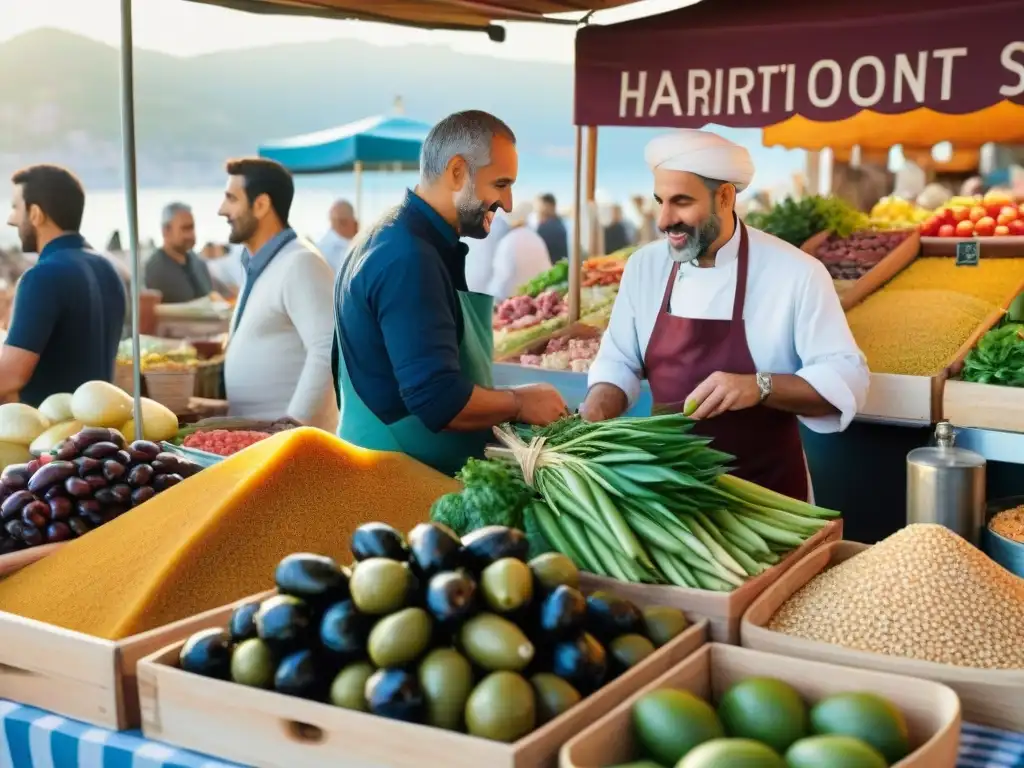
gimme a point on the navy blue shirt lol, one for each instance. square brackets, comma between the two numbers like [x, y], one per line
[69, 309]
[400, 320]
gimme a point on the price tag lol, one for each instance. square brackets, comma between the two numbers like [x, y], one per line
[968, 253]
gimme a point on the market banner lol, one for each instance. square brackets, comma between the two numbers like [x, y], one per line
[718, 62]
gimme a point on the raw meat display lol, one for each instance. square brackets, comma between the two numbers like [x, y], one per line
[522, 311]
[850, 258]
[565, 354]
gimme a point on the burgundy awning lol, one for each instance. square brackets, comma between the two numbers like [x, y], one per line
[751, 63]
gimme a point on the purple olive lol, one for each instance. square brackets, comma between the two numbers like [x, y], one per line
[53, 473]
[163, 482]
[78, 487]
[14, 503]
[61, 508]
[96, 481]
[79, 526]
[140, 475]
[15, 476]
[87, 466]
[36, 514]
[122, 494]
[142, 495]
[57, 532]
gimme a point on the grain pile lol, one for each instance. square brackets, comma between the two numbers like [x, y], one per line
[993, 280]
[217, 537]
[1009, 523]
[923, 593]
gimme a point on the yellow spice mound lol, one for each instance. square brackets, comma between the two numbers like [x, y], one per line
[994, 280]
[923, 593]
[217, 536]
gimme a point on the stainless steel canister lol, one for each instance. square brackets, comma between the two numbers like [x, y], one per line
[946, 485]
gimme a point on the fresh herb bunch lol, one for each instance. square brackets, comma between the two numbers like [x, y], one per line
[998, 357]
[796, 221]
[553, 278]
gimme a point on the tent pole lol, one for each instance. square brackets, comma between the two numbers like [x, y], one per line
[357, 169]
[595, 239]
[575, 260]
[131, 198]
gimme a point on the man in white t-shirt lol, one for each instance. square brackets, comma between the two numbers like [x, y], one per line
[335, 244]
[520, 256]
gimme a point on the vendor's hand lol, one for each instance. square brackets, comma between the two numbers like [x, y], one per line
[540, 404]
[721, 392]
[603, 402]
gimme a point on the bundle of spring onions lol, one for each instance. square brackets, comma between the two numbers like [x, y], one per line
[645, 500]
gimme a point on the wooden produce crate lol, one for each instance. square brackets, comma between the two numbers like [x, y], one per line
[884, 271]
[268, 729]
[79, 676]
[991, 247]
[932, 710]
[723, 610]
[985, 406]
[989, 696]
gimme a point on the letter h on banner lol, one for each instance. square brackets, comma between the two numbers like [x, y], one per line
[636, 95]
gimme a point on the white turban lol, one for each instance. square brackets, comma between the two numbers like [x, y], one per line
[703, 153]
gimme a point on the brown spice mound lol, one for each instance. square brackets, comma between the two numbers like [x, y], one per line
[923, 593]
[1009, 523]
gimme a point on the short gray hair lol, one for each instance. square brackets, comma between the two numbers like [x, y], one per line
[171, 210]
[464, 134]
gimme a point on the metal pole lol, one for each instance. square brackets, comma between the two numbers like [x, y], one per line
[131, 197]
[575, 255]
[358, 172]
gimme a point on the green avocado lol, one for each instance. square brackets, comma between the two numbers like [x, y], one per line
[554, 569]
[446, 678]
[662, 624]
[670, 722]
[349, 688]
[865, 716]
[495, 643]
[501, 708]
[834, 752]
[764, 709]
[732, 753]
[253, 663]
[554, 696]
[380, 586]
[507, 585]
[400, 638]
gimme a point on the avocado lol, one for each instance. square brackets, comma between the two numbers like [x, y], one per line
[451, 597]
[501, 708]
[554, 696]
[495, 643]
[563, 613]
[553, 569]
[314, 578]
[253, 664]
[433, 548]
[507, 585]
[766, 710]
[400, 638]
[348, 690]
[834, 752]
[344, 630]
[865, 716]
[396, 694]
[609, 616]
[446, 679]
[242, 625]
[298, 674]
[627, 651]
[669, 722]
[581, 661]
[283, 622]
[486, 545]
[207, 653]
[379, 586]
[732, 753]
[662, 624]
[378, 540]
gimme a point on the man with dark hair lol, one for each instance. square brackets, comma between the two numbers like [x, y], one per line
[173, 269]
[414, 345]
[551, 229]
[278, 359]
[69, 308]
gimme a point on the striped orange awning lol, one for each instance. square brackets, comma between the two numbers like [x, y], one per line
[432, 14]
[1002, 123]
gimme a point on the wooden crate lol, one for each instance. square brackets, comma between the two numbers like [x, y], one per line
[985, 406]
[83, 677]
[264, 728]
[991, 247]
[884, 271]
[932, 710]
[989, 697]
[723, 610]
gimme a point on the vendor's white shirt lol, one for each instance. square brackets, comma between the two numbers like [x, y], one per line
[793, 319]
[521, 255]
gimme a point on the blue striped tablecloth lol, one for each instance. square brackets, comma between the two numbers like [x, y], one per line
[32, 738]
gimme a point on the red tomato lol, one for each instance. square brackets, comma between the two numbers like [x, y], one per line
[985, 227]
[930, 228]
[964, 229]
[977, 213]
[947, 230]
[994, 208]
[1016, 227]
[961, 213]
[1002, 231]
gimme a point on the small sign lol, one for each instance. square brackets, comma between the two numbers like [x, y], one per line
[967, 253]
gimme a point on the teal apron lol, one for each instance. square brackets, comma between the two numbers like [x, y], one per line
[445, 451]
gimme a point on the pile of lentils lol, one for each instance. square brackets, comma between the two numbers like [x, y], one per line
[923, 593]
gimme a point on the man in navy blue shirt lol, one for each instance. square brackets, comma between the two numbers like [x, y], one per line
[69, 308]
[414, 344]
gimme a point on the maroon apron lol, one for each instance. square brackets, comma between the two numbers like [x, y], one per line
[684, 351]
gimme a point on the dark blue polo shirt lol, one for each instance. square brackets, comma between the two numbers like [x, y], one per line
[69, 309]
[400, 320]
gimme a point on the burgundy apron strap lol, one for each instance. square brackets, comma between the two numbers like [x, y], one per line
[668, 288]
[742, 267]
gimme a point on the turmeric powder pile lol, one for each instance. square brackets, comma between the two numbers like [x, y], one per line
[217, 537]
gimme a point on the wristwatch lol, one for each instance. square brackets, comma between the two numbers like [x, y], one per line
[764, 385]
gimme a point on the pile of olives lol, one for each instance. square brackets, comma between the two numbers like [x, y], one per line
[92, 478]
[463, 635]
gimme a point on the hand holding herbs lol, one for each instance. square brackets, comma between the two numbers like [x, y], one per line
[998, 357]
[639, 500]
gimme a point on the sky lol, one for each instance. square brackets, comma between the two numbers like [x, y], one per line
[188, 28]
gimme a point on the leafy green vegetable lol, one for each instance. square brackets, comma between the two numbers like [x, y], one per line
[796, 221]
[493, 494]
[559, 273]
[998, 357]
[451, 511]
[538, 544]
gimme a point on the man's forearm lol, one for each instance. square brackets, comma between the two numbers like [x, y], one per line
[486, 408]
[604, 401]
[792, 394]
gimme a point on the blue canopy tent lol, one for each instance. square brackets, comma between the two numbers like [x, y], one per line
[372, 144]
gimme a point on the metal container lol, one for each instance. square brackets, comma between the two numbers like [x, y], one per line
[946, 485]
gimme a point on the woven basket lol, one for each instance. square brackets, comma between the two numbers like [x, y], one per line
[171, 388]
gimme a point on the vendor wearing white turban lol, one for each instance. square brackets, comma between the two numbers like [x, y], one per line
[731, 321]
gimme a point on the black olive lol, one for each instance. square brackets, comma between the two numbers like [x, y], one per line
[141, 474]
[36, 514]
[142, 495]
[79, 526]
[101, 450]
[58, 532]
[113, 469]
[60, 508]
[87, 466]
[14, 503]
[78, 487]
